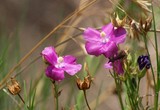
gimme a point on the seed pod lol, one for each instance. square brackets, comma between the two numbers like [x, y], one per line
[84, 85]
[14, 88]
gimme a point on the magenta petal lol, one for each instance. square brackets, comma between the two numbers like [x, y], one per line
[69, 59]
[55, 73]
[119, 35]
[93, 48]
[50, 55]
[118, 66]
[109, 49]
[108, 29]
[91, 35]
[72, 69]
[108, 65]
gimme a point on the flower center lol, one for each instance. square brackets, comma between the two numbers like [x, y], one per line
[103, 34]
[60, 59]
[104, 38]
[59, 62]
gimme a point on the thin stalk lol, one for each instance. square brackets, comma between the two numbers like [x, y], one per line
[131, 92]
[119, 91]
[56, 95]
[22, 99]
[145, 42]
[154, 30]
[147, 79]
[158, 74]
[42, 40]
[138, 85]
[128, 93]
[85, 96]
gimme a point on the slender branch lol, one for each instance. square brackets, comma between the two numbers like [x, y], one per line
[157, 59]
[84, 91]
[145, 42]
[154, 30]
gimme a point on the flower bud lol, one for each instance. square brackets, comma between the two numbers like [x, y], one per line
[117, 22]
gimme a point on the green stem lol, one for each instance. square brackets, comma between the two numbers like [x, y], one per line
[56, 94]
[85, 96]
[158, 75]
[130, 96]
[119, 91]
[145, 42]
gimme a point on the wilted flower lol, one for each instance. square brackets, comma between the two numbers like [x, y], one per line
[145, 25]
[139, 28]
[116, 65]
[116, 62]
[104, 41]
[143, 61]
[58, 65]
[84, 85]
[14, 88]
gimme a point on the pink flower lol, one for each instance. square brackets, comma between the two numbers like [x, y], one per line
[58, 65]
[104, 41]
[118, 66]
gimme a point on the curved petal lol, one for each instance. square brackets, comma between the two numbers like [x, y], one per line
[91, 35]
[109, 49]
[93, 48]
[118, 66]
[108, 65]
[108, 29]
[69, 59]
[119, 35]
[50, 55]
[55, 73]
[72, 69]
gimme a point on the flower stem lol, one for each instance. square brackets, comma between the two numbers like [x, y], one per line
[119, 91]
[55, 92]
[22, 99]
[158, 71]
[85, 96]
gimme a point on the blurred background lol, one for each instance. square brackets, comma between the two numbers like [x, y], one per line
[23, 23]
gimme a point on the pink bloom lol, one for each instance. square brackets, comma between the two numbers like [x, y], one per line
[104, 41]
[118, 66]
[59, 65]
